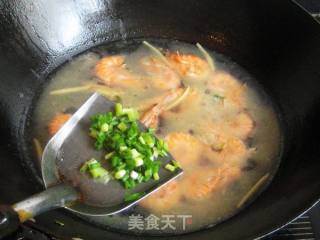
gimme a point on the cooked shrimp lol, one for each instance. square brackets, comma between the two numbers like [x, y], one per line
[161, 76]
[57, 122]
[192, 99]
[227, 88]
[234, 151]
[112, 71]
[202, 184]
[148, 103]
[187, 106]
[228, 149]
[163, 199]
[223, 147]
[241, 126]
[185, 148]
[216, 133]
[151, 117]
[212, 135]
[189, 65]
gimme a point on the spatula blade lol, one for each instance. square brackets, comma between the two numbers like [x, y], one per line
[72, 146]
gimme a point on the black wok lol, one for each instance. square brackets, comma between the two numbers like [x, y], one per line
[275, 41]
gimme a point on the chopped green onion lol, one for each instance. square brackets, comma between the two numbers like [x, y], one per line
[156, 176]
[91, 164]
[155, 153]
[93, 133]
[131, 151]
[149, 139]
[134, 196]
[134, 175]
[130, 183]
[133, 115]
[98, 172]
[147, 175]
[134, 153]
[115, 161]
[120, 174]
[170, 167]
[218, 146]
[138, 162]
[95, 169]
[105, 127]
[123, 148]
[84, 168]
[108, 155]
[140, 178]
[122, 126]
[218, 97]
[142, 140]
[156, 167]
[94, 166]
[118, 109]
[176, 164]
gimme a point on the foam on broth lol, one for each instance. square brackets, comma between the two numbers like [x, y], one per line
[193, 117]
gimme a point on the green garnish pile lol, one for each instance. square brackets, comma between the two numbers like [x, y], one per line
[132, 153]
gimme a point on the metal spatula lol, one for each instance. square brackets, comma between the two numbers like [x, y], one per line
[62, 156]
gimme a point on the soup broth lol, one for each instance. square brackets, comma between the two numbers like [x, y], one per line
[218, 122]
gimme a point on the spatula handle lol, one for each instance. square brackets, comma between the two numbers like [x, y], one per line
[54, 197]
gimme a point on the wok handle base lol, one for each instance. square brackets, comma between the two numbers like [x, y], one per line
[9, 220]
[53, 197]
